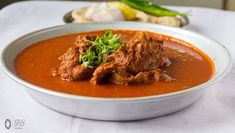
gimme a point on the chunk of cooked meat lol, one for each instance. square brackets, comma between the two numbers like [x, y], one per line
[141, 77]
[69, 68]
[102, 71]
[137, 62]
[83, 42]
[146, 77]
[111, 72]
[140, 54]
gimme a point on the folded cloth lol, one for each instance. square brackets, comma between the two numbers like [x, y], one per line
[214, 112]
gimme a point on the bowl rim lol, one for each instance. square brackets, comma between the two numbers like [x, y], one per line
[131, 99]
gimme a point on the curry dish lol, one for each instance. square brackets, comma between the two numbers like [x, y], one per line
[114, 63]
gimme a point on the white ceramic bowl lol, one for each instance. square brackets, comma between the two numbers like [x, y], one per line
[118, 109]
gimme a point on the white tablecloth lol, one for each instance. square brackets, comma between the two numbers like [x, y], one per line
[214, 112]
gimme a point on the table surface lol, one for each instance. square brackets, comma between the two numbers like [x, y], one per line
[214, 112]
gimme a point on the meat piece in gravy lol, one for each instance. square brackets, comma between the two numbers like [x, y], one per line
[141, 54]
[83, 42]
[138, 61]
[69, 68]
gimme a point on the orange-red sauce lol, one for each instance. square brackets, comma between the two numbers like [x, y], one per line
[190, 67]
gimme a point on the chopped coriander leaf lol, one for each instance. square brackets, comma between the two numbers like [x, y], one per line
[102, 46]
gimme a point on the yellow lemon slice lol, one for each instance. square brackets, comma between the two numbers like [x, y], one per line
[128, 12]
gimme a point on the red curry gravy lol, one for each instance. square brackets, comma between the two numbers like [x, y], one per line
[189, 67]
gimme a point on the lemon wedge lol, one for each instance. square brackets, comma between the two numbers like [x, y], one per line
[128, 12]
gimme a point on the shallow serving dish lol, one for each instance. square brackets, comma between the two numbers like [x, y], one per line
[118, 109]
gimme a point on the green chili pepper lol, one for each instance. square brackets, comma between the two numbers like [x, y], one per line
[151, 8]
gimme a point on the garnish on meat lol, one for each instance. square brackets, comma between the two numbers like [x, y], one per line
[105, 59]
[100, 47]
